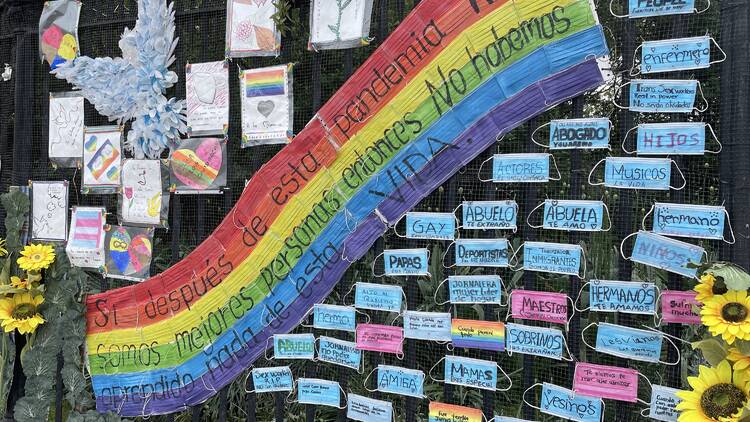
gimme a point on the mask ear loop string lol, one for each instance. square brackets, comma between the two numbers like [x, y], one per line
[510, 300]
[613, 12]
[625, 140]
[703, 10]
[479, 172]
[616, 95]
[458, 225]
[593, 169]
[512, 257]
[634, 66]
[244, 384]
[373, 265]
[650, 386]
[523, 397]
[669, 339]
[534, 133]
[503, 292]
[657, 318]
[437, 289]
[346, 398]
[265, 350]
[609, 217]
[528, 223]
[570, 358]
[445, 253]
[583, 334]
[367, 378]
[343, 299]
[557, 169]
[429, 373]
[731, 230]
[716, 138]
[583, 263]
[395, 226]
[357, 311]
[513, 260]
[572, 311]
[684, 181]
[510, 381]
[720, 50]
[622, 244]
[578, 298]
[705, 101]
[291, 392]
[645, 217]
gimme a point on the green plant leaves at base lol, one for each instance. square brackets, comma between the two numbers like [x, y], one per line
[734, 277]
[713, 350]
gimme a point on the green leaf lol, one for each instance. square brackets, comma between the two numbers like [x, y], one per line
[734, 277]
[713, 350]
[743, 346]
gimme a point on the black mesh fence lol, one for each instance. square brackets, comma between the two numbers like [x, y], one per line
[317, 76]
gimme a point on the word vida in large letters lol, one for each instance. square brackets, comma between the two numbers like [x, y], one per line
[404, 123]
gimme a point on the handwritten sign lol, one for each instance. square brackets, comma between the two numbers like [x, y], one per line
[539, 306]
[626, 342]
[380, 338]
[486, 215]
[334, 317]
[406, 262]
[339, 352]
[268, 380]
[552, 257]
[49, 211]
[319, 392]
[397, 380]
[141, 199]
[475, 289]
[665, 253]
[520, 168]
[579, 134]
[472, 334]
[693, 221]
[680, 307]
[294, 346]
[622, 296]
[378, 297]
[558, 401]
[482, 252]
[207, 97]
[671, 139]
[471, 372]
[365, 409]
[441, 412]
[638, 173]
[646, 8]
[663, 96]
[430, 225]
[608, 382]
[676, 54]
[538, 341]
[432, 326]
[573, 215]
[664, 403]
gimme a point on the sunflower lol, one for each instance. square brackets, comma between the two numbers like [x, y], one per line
[741, 362]
[19, 283]
[728, 315]
[36, 257]
[3, 251]
[719, 394]
[20, 312]
[708, 287]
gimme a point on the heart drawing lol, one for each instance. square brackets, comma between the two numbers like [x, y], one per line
[266, 107]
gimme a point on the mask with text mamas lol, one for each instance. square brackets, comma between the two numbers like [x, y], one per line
[471, 372]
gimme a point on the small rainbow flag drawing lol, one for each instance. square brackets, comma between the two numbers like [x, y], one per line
[265, 82]
[485, 335]
[88, 228]
[442, 412]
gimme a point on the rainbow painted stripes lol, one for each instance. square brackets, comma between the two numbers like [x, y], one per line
[264, 83]
[429, 100]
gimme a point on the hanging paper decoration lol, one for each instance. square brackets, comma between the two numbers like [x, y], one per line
[321, 202]
[268, 380]
[608, 382]
[638, 173]
[251, 30]
[487, 215]
[680, 307]
[664, 403]
[133, 86]
[677, 54]
[49, 211]
[128, 252]
[689, 220]
[664, 96]
[441, 412]
[102, 159]
[85, 246]
[365, 409]
[685, 138]
[199, 165]
[402, 381]
[591, 133]
[339, 24]
[142, 199]
[207, 90]
[65, 147]
[267, 105]
[665, 253]
[58, 31]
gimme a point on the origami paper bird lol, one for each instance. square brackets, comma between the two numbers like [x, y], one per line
[133, 86]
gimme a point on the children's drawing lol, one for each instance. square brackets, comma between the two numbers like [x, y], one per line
[58, 31]
[128, 252]
[199, 164]
[337, 24]
[49, 217]
[85, 246]
[102, 159]
[266, 105]
[65, 129]
[251, 30]
[207, 98]
[141, 198]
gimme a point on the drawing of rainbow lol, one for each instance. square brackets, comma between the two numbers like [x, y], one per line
[442, 412]
[486, 335]
[439, 91]
[263, 83]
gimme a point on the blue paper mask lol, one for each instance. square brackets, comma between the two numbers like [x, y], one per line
[552, 257]
[430, 225]
[664, 401]
[432, 326]
[622, 296]
[475, 289]
[294, 346]
[471, 372]
[515, 168]
[365, 409]
[646, 8]
[637, 173]
[397, 380]
[676, 54]
[378, 297]
[573, 215]
[558, 401]
[665, 253]
[334, 317]
[317, 391]
[693, 221]
[490, 215]
[631, 343]
[268, 380]
[538, 341]
[663, 96]
[579, 134]
[339, 352]
[671, 139]
[482, 252]
[406, 262]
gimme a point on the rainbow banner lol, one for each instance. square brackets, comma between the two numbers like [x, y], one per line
[450, 79]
